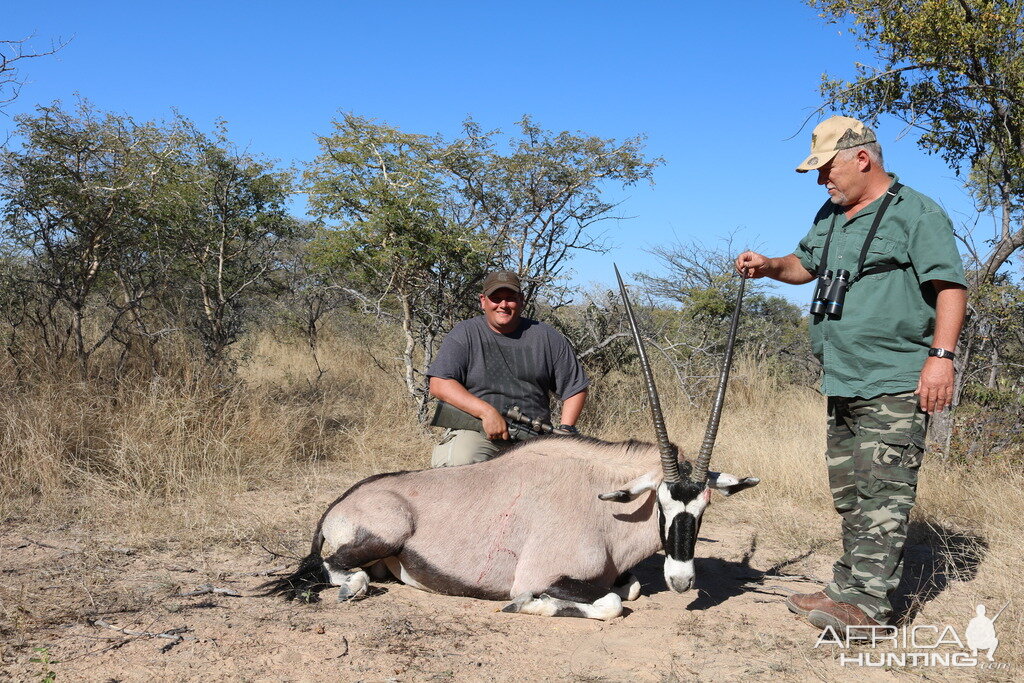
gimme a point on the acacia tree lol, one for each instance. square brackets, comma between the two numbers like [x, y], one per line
[394, 240]
[227, 224]
[952, 70]
[420, 219]
[78, 198]
[539, 195]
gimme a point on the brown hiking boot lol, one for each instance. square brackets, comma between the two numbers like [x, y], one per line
[803, 603]
[840, 615]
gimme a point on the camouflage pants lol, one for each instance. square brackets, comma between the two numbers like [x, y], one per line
[874, 451]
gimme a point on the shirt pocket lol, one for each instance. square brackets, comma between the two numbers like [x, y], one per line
[883, 251]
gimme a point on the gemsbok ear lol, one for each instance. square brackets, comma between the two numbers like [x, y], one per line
[636, 488]
[728, 484]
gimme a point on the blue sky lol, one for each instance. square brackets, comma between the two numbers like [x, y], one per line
[720, 90]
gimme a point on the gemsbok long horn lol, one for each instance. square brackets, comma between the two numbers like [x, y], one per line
[700, 468]
[669, 462]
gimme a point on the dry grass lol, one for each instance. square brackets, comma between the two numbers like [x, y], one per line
[186, 462]
[201, 437]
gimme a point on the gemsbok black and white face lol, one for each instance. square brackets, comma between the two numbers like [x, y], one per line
[681, 505]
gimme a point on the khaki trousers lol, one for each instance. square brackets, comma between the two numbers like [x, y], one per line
[465, 446]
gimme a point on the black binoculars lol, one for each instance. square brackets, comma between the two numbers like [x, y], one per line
[830, 293]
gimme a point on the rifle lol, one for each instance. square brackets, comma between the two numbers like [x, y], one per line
[521, 426]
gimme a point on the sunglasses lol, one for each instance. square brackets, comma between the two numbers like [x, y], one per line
[498, 298]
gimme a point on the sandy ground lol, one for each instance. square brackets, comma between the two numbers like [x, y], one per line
[80, 606]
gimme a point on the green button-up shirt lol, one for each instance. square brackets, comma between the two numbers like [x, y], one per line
[882, 339]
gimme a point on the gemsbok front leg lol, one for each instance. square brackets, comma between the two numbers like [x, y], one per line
[569, 598]
[627, 586]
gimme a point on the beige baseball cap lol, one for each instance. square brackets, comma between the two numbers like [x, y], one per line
[501, 278]
[832, 136]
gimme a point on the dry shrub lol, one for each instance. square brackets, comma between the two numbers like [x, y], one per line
[971, 514]
[202, 432]
[362, 399]
[769, 429]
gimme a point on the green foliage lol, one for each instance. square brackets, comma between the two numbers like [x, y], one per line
[953, 70]
[539, 195]
[228, 222]
[395, 240]
[79, 201]
[119, 233]
[43, 658]
[387, 191]
[312, 290]
[994, 336]
[989, 425]
[115, 230]
[1001, 397]
[416, 221]
[701, 285]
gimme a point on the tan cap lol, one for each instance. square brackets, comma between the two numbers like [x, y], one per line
[832, 136]
[501, 278]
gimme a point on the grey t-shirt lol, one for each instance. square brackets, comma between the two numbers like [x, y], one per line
[520, 368]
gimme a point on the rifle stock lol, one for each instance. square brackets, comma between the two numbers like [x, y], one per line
[448, 416]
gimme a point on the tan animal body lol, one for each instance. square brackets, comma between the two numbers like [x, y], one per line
[528, 526]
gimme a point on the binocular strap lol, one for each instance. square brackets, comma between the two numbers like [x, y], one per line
[889, 194]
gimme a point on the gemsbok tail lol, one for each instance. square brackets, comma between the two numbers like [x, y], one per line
[305, 582]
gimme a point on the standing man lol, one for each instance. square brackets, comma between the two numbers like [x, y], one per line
[498, 360]
[887, 353]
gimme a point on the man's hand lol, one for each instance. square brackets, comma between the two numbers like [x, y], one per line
[750, 264]
[495, 427]
[450, 391]
[935, 386]
[786, 269]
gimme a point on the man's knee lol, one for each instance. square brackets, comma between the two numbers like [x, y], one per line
[462, 447]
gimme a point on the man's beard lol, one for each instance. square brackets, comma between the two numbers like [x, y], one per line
[839, 199]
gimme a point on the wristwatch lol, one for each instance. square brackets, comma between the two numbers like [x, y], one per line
[941, 353]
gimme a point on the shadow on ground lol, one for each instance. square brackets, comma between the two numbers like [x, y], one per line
[717, 580]
[934, 556]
